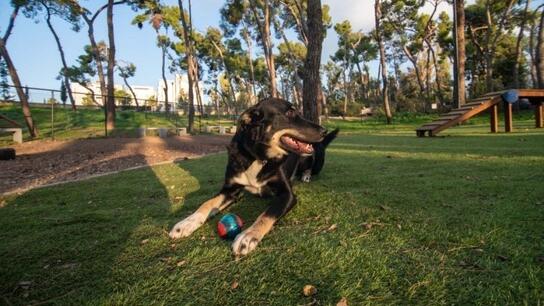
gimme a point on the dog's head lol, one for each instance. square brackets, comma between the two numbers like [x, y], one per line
[273, 128]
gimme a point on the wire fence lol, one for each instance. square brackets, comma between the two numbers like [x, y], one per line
[52, 111]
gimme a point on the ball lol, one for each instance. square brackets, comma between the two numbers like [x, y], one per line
[229, 226]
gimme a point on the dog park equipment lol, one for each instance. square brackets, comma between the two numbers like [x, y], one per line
[229, 226]
[8, 125]
[489, 102]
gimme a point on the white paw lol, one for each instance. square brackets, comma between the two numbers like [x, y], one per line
[187, 226]
[245, 242]
[306, 177]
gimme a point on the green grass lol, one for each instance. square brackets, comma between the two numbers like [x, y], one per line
[455, 220]
[88, 123]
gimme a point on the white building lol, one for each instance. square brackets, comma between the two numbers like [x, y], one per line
[177, 88]
[142, 92]
[81, 92]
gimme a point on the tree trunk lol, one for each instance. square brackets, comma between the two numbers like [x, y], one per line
[132, 92]
[163, 74]
[385, 91]
[97, 60]
[534, 81]
[540, 53]
[18, 87]
[312, 64]
[247, 38]
[459, 93]
[62, 57]
[110, 105]
[264, 30]
[517, 63]
[413, 60]
[190, 69]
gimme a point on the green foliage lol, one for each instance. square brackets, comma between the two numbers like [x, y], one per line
[122, 98]
[5, 93]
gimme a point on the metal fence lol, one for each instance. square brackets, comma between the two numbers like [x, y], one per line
[150, 113]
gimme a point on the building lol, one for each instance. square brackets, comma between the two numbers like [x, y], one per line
[82, 94]
[178, 90]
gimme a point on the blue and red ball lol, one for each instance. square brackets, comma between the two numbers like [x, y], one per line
[229, 226]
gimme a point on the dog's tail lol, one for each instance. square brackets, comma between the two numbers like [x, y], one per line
[319, 156]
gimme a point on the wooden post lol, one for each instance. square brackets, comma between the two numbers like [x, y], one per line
[507, 117]
[494, 118]
[539, 115]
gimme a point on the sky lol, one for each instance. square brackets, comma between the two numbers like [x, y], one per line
[37, 59]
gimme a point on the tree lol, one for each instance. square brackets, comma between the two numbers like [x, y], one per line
[540, 53]
[66, 12]
[63, 95]
[258, 15]
[517, 67]
[122, 98]
[191, 70]
[110, 100]
[83, 72]
[4, 54]
[157, 16]
[383, 67]
[313, 60]
[126, 71]
[5, 94]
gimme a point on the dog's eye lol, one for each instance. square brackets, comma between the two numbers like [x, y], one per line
[290, 113]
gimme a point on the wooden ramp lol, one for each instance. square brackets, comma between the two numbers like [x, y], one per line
[489, 102]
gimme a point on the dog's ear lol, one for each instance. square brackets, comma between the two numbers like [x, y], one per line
[251, 116]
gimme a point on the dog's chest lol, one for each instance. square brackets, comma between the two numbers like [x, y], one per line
[249, 180]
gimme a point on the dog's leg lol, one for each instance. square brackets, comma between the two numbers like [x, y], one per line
[306, 176]
[247, 241]
[208, 209]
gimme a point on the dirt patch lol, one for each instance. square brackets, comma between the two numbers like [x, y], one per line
[45, 162]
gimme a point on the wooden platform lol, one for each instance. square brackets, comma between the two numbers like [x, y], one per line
[489, 102]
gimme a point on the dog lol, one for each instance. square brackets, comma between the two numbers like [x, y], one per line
[272, 146]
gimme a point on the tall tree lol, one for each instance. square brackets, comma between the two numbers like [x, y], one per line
[5, 94]
[126, 71]
[4, 54]
[110, 100]
[540, 53]
[157, 15]
[383, 66]
[518, 54]
[459, 93]
[313, 61]
[69, 13]
[190, 63]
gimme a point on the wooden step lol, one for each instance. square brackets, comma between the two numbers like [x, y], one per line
[448, 116]
[457, 112]
[437, 123]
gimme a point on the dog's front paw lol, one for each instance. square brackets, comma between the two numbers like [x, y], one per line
[245, 242]
[187, 226]
[306, 176]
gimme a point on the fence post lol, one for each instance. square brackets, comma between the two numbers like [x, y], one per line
[52, 115]
[105, 116]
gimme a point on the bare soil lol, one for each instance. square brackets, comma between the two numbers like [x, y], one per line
[41, 163]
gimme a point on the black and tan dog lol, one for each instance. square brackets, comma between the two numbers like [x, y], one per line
[273, 145]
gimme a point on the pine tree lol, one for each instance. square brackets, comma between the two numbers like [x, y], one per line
[5, 95]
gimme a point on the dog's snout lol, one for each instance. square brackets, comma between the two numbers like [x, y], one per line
[323, 131]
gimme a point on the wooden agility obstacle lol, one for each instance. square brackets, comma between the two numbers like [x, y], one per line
[489, 102]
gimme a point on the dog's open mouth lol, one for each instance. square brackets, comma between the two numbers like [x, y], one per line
[297, 145]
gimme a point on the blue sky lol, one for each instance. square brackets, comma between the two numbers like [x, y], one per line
[36, 57]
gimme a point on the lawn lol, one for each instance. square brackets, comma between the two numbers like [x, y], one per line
[444, 220]
[86, 123]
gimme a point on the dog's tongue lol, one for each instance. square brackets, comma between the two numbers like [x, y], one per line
[298, 145]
